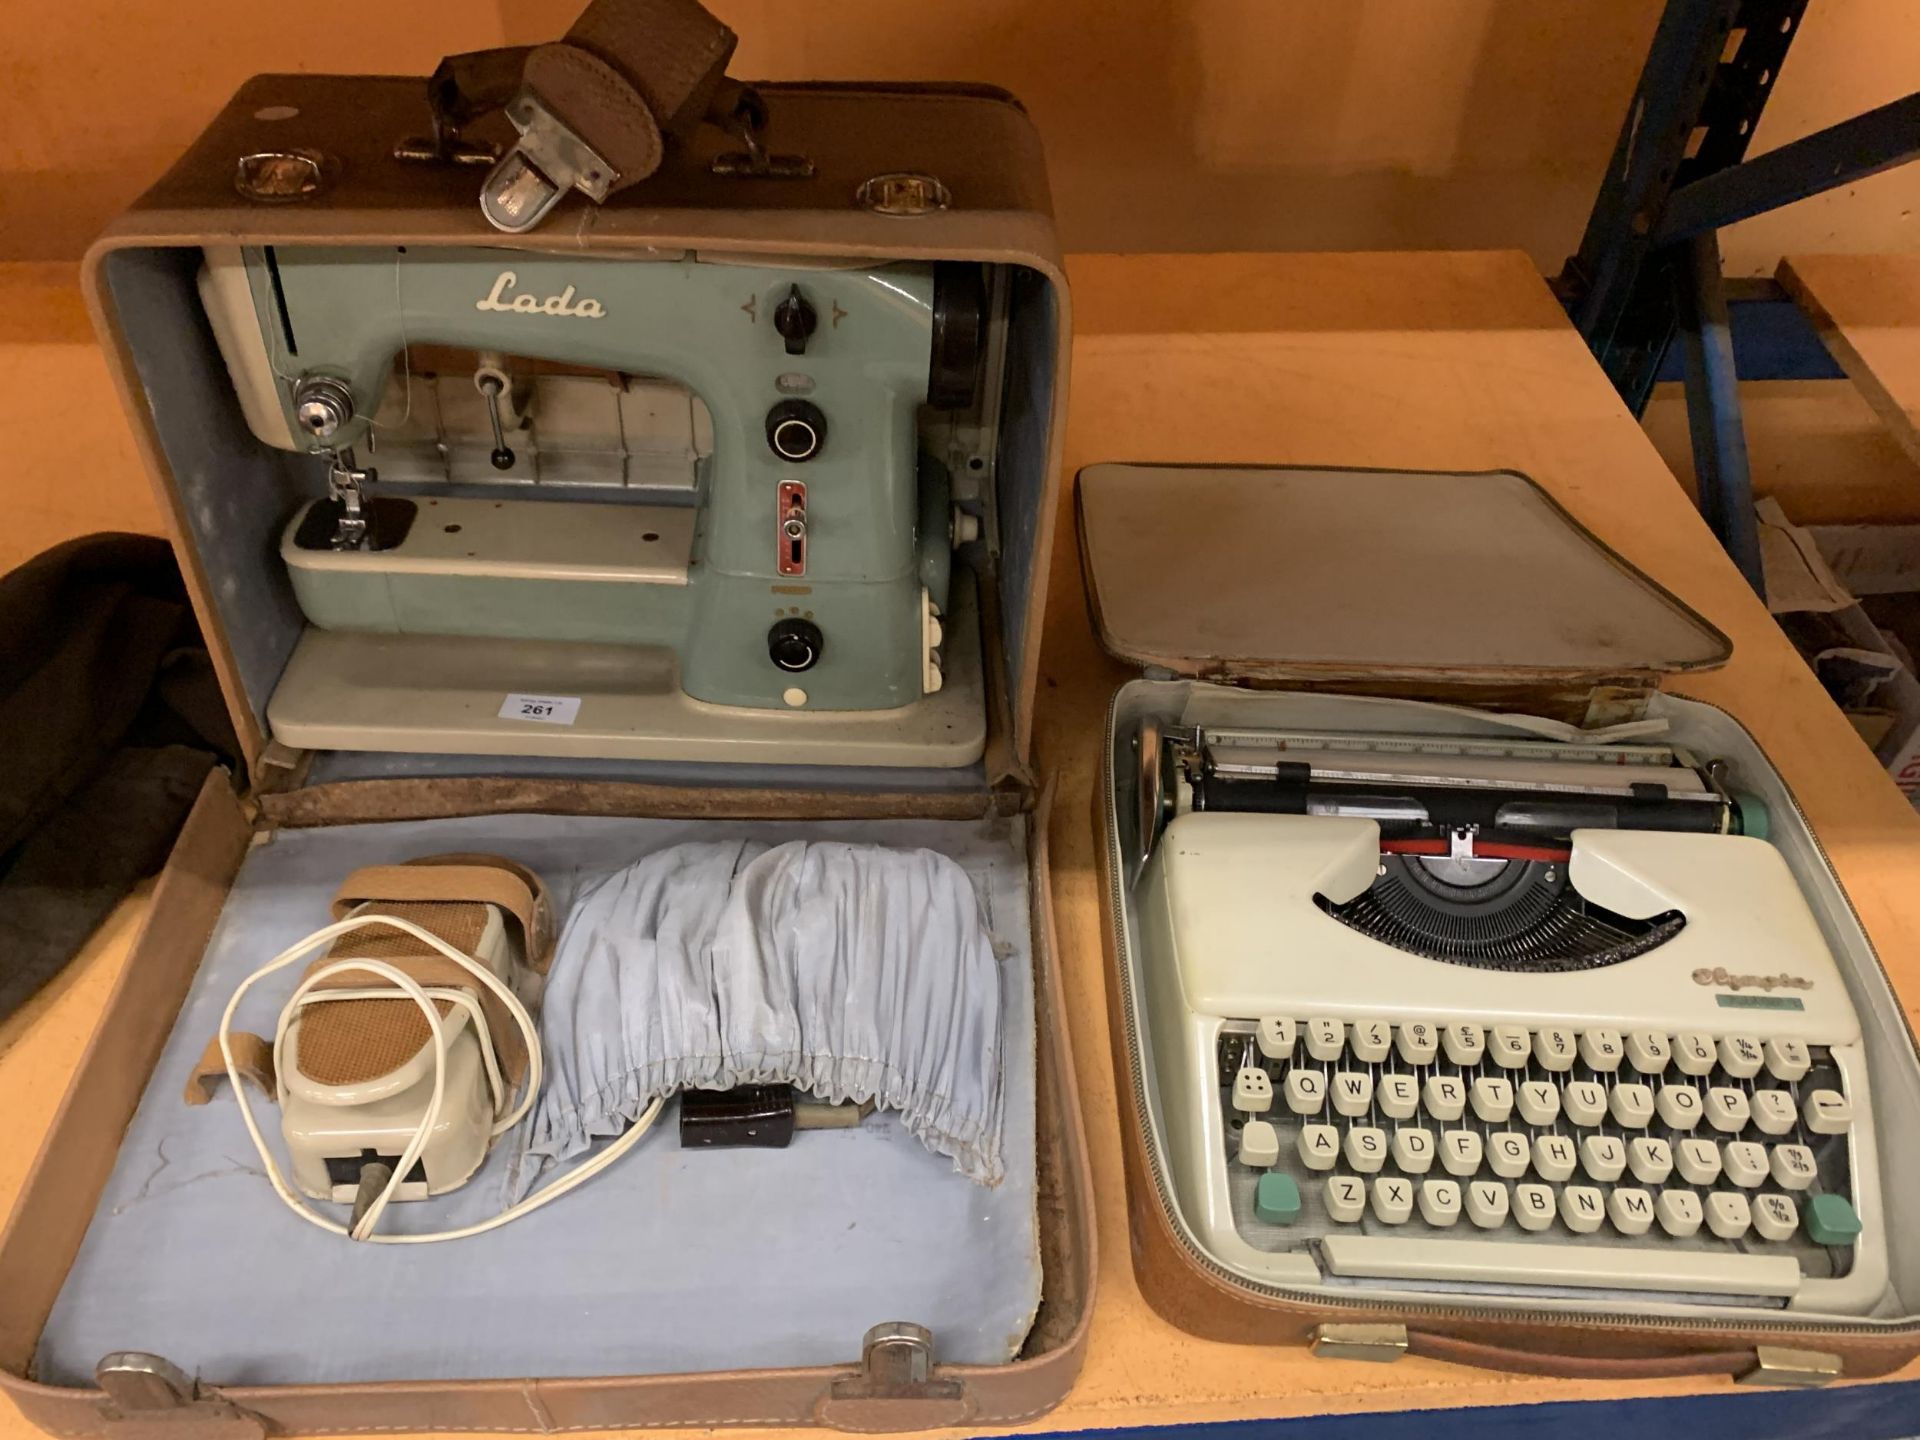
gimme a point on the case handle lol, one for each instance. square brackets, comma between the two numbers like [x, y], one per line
[1757, 1365]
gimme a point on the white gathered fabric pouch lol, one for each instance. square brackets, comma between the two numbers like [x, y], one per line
[852, 972]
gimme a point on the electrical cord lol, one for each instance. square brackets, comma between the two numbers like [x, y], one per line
[409, 989]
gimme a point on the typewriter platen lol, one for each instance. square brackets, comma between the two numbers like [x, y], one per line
[1483, 1016]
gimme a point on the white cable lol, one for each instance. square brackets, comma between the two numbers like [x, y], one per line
[410, 989]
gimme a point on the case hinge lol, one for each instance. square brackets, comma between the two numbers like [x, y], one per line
[1359, 1342]
[1777, 1365]
[895, 1387]
[148, 1393]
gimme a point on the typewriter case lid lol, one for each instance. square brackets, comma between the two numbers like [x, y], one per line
[1475, 587]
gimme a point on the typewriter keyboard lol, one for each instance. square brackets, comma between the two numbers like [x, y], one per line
[1540, 1158]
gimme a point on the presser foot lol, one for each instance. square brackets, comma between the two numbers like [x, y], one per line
[383, 524]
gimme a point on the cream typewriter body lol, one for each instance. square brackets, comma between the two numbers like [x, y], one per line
[1489, 1017]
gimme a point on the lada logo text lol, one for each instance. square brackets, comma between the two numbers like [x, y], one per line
[502, 298]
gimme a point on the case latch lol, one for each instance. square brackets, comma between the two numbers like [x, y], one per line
[1777, 1365]
[895, 1388]
[149, 1393]
[1359, 1342]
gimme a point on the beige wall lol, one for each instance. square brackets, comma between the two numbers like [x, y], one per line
[1217, 124]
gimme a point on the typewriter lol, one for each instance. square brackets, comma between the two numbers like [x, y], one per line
[1497, 1017]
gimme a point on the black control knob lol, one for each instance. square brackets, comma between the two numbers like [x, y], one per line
[795, 645]
[795, 319]
[796, 429]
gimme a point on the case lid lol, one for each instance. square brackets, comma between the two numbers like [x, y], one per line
[1369, 575]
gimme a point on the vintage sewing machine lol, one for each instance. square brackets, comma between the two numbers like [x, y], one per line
[686, 478]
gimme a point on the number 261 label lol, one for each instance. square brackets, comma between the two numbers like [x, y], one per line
[543, 709]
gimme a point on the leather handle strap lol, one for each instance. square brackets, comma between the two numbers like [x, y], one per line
[1561, 1365]
[490, 879]
[252, 1056]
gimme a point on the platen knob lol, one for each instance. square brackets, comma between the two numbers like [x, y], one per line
[796, 429]
[795, 319]
[795, 645]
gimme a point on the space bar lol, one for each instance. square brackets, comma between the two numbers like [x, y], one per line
[1386, 1257]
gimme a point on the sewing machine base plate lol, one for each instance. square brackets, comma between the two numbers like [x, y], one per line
[389, 520]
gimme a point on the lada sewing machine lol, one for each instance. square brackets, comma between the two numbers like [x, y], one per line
[718, 464]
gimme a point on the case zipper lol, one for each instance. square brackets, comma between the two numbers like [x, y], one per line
[1116, 903]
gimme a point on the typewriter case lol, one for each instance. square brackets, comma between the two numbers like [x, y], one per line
[1358, 602]
[225, 496]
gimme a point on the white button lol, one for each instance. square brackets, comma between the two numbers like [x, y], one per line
[1492, 1098]
[1787, 1059]
[1512, 1046]
[1793, 1167]
[1306, 1091]
[1651, 1160]
[1582, 1208]
[1745, 1163]
[1648, 1051]
[1728, 1214]
[1828, 1113]
[794, 696]
[1461, 1151]
[1601, 1049]
[1740, 1056]
[1603, 1157]
[1679, 1106]
[1259, 1144]
[1464, 1042]
[1727, 1109]
[1698, 1161]
[1417, 1042]
[1346, 1198]
[1252, 1090]
[1487, 1204]
[1774, 1112]
[1439, 1201]
[1413, 1150]
[1539, 1102]
[1585, 1101]
[1694, 1053]
[1325, 1039]
[1554, 1048]
[1392, 1199]
[1319, 1146]
[1533, 1206]
[1775, 1217]
[1446, 1096]
[1507, 1153]
[1370, 1040]
[1398, 1096]
[1630, 1210]
[1366, 1149]
[1352, 1092]
[1275, 1037]
[1631, 1105]
[1553, 1157]
[1679, 1212]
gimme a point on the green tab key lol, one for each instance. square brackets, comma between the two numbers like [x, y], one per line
[1277, 1199]
[1830, 1220]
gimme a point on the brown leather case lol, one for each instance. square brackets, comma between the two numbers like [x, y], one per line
[1207, 611]
[980, 144]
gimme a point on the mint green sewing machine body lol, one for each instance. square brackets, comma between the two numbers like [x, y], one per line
[702, 579]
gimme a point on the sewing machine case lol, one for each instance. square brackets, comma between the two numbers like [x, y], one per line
[227, 497]
[1432, 604]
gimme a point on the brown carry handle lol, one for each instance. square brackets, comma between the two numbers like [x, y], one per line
[595, 110]
[1755, 1365]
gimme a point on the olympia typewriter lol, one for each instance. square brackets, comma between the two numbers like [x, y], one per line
[1500, 1022]
[615, 498]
